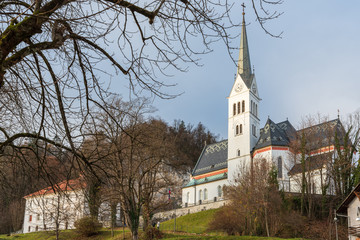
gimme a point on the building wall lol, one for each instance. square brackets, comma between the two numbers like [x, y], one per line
[353, 213]
[315, 176]
[42, 212]
[188, 193]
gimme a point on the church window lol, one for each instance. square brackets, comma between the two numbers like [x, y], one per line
[187, 197]
[251, 107]
[29, 229]
[238, 107]
[237, 130]
[219, 191]
[279, 167]
[30, 218]
[241, 129]
[238, 153]
[234, 109]
[243, 106]
[205, 194]
[200, 194]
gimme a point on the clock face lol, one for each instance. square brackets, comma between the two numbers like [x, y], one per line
[238, 87]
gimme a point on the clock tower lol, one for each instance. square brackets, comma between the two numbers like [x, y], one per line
[243, 112]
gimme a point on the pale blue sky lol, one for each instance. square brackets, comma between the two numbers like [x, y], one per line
[314, 68]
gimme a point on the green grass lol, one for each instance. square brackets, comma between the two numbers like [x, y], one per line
[191, 227]
[192, 223]
[201, 237]
[104, 234]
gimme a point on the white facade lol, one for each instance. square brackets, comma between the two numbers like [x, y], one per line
[43, 212]
[203, 193]
[243, 125]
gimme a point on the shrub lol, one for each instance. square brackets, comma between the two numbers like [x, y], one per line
[87, 226]
[152, 233]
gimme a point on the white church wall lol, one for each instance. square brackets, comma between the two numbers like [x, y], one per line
[191, 195]
[236, 166]
[318, 178]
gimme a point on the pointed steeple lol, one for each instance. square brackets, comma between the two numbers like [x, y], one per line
[244, 65]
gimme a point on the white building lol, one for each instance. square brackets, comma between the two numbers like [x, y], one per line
[45, 209]
[350, 209]
[219, 163]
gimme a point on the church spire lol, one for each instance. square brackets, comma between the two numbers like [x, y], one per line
[244, 65]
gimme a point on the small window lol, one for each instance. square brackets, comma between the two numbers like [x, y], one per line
[219, 191]
[279, 167]
[238, 107]
[237, 130]
[200, 195]
[241, 129]
[251, 107]
[256, 110]
[205, 194]
[29, 229]
[243, 106]
[30, 218]
[36, 228]
[234, 109]
[187, 197]
[238, 152]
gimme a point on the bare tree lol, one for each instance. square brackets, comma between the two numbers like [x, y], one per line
[136, 150]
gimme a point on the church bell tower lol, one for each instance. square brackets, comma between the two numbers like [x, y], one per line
[243, 112]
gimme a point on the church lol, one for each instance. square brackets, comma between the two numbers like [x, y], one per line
[219, 163]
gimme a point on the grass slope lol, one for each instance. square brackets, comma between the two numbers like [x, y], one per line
[191, 223]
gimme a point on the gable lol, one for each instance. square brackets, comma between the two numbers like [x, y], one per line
[275, 134]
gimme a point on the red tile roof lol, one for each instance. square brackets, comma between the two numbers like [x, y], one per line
[67, 185]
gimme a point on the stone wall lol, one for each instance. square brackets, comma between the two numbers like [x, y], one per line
[163, 216]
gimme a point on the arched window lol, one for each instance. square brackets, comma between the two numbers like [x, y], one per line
[234, 109]
[237, 130]
[205, 194]
[238, 107]
[219, 190]
[251, 106]
[243, 106]
[187, 197]
[240, 128]
[279, 167]
[238, 153]
[256, 112]
[200, 194]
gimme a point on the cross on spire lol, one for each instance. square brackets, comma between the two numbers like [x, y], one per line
[243, 5]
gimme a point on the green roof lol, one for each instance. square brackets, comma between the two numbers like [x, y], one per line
[216, 177]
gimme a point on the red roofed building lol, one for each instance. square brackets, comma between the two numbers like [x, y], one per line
[54, 207]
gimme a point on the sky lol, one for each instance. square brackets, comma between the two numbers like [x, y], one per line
[314, 68]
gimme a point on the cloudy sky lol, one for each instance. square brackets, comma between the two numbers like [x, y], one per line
[314, 68]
